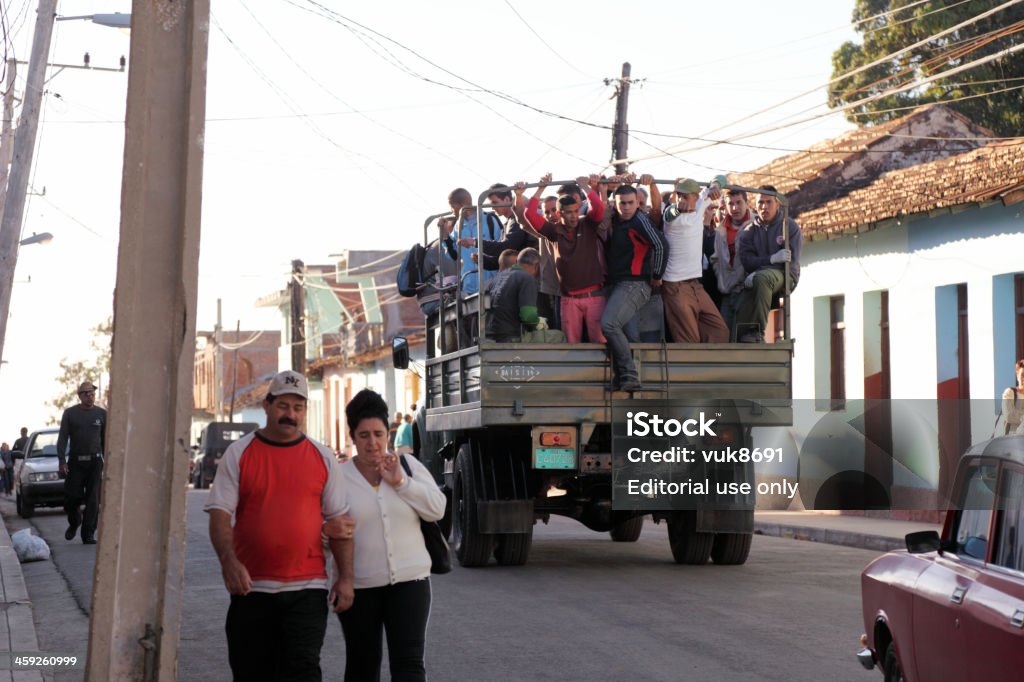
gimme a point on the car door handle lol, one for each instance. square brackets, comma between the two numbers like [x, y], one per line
[958, 595]
[1017, 620]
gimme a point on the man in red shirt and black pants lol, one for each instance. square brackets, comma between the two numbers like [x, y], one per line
[283, 491]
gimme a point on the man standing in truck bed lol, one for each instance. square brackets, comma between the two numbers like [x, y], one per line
[636, 254]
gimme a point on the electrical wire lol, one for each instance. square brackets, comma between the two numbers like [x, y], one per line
[848, 74]
[543, 42]
[333, 94]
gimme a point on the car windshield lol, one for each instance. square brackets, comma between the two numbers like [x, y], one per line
[44, 445]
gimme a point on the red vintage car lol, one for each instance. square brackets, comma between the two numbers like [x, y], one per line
[952, 607]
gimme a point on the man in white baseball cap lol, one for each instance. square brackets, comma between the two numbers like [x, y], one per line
[283, 490]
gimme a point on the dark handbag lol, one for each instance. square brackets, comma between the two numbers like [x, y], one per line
[433, 538]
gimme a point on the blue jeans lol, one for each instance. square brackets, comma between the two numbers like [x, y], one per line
[626, 299]
[649, 324]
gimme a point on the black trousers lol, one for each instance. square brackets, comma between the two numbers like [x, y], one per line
[401, 611]
[276, 636]
[82, 486]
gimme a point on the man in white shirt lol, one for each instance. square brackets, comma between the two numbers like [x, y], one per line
[691, 314]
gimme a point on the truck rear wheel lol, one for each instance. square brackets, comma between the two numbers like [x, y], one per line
[512, 549]
[688, 546]
[731, 549]
[628, 531]
[472, 548]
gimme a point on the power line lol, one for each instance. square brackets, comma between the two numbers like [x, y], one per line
[543, 42]
[353, 109]
[860, 69]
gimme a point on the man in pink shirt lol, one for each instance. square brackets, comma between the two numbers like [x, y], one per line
[579, 255]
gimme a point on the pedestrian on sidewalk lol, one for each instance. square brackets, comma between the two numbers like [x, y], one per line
[284, 491]
[392, 565]
[21, 442]
[7, 460]
[80, 448]
[1013, 403]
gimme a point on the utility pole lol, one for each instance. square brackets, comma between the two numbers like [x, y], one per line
[218, 366]
[620, 134]
[7, 133]
[298, 318]
[21, 163]
[234, 378]
[137, 592]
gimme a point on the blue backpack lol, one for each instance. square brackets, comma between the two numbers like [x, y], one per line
[410, 272]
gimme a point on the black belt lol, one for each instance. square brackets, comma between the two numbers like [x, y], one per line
[85, 458]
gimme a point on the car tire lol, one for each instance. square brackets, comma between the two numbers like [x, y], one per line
[892, 671]
[472, 548]
[688, 546]
[628, 531]
[731, 549]
[25, 509]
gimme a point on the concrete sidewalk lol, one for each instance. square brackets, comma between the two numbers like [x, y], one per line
[17, 629]
[832, 528]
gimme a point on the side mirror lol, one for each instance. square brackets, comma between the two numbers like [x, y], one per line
[925, 541]
[17, 454]
[400, 352]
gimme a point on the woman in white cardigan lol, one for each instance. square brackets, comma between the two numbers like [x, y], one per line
[391, 564]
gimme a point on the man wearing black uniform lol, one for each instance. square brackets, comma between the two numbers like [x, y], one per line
[84, 425]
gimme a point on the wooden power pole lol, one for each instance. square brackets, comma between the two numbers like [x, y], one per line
[21, 163]
[140, 561]
[297, 316]
[620, 134]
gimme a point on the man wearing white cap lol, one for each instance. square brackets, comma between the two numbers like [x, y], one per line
[283, 490]
[82, 432]
[691, 315]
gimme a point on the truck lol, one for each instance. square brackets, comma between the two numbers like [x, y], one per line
[517, 432]
[214, 440]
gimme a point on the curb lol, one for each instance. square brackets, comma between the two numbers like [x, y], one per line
[17, 628]
[878, 543]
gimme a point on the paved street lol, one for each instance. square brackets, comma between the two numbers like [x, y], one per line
[584, 608]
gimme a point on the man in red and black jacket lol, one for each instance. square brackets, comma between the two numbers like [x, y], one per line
[636, 254]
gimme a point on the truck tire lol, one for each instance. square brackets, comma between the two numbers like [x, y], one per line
[472, 548]
[688, 546]
[628, 531]
[446, 521]
[513, 549]
[731, 549]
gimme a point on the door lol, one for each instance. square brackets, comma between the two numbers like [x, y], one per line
[940, 644]
[994, 608]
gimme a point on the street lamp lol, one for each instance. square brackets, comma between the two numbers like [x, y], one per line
[115, 20]
[44, 238]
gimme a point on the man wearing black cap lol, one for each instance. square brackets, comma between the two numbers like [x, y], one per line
[83, 426]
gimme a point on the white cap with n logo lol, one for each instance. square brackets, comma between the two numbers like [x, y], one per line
[289, 383]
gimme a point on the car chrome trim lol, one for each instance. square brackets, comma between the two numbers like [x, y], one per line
[958, 595]
[1017, 619]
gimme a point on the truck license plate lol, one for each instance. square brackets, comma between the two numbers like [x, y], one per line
[555, 458]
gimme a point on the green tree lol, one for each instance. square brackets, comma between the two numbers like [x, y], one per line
[74, 372]
[1003, 112]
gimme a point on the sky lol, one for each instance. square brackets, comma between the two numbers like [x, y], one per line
[337, 126]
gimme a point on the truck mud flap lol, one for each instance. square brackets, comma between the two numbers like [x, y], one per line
[725, 521]
[505, 516]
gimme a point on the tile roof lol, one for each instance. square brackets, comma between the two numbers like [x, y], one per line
[995, 171]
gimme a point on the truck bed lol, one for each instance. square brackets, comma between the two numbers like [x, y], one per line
[516, 383]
